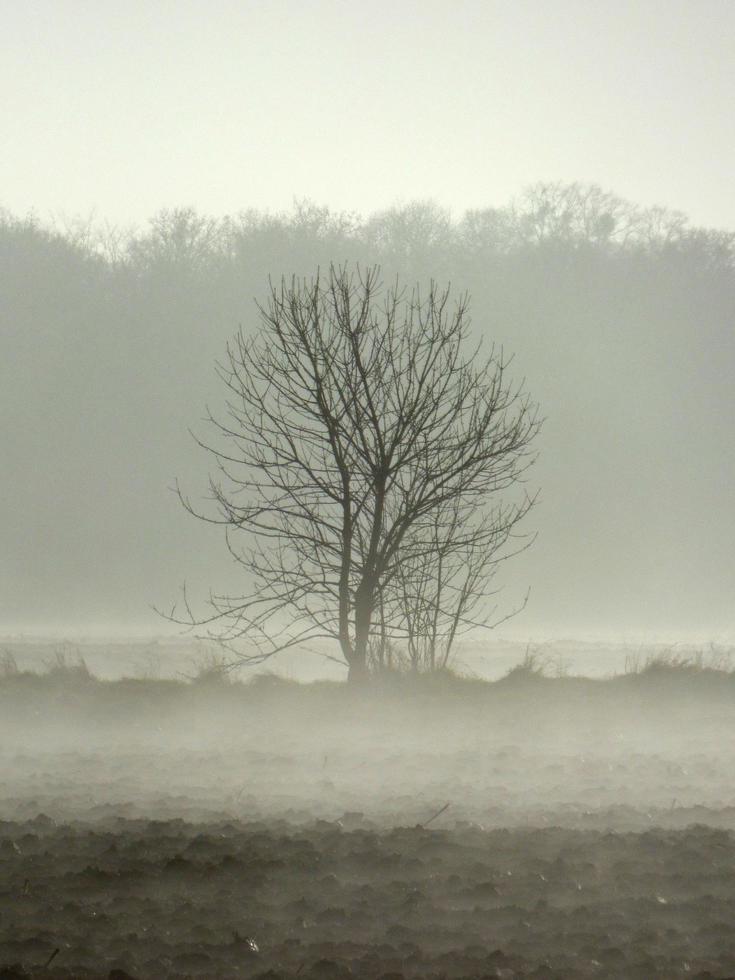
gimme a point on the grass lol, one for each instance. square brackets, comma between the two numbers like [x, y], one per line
[8, 664]
[718, 661]
[212, 675]
[68, 666]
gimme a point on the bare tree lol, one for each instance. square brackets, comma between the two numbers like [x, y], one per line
[361, 435]
[443, 588]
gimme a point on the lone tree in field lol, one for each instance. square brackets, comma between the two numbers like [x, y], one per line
[360, 463]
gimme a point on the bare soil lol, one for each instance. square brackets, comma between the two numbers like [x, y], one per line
[226, 830]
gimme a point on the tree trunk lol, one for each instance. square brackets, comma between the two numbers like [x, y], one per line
[358, 666]
[357, 673]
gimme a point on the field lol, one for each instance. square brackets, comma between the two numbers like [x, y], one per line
[536, 826]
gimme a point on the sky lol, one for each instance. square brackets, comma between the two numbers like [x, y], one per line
[118, 108]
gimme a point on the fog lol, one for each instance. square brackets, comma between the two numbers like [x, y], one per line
[619, 316]
[465, 766]
[603, 752]
[227, 829]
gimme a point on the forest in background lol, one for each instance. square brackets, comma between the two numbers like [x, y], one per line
[620, 318]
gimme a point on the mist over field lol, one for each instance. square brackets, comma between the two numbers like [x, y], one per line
[619, 317]
[429, 311]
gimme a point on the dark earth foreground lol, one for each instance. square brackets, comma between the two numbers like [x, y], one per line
[167, 830]
[339, 899]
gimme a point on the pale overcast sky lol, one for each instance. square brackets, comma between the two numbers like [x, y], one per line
[124, 106]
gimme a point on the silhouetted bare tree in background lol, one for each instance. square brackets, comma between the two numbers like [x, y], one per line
[362, 456]
[443, 587]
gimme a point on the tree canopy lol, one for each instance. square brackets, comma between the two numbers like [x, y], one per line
[365, 448]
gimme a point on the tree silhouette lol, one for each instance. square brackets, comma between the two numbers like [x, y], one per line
[363, 442]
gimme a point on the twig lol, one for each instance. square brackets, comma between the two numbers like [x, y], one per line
[437, 814]
[51, 958]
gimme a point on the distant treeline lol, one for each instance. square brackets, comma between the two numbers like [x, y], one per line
[557, 217]
[622, 319]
